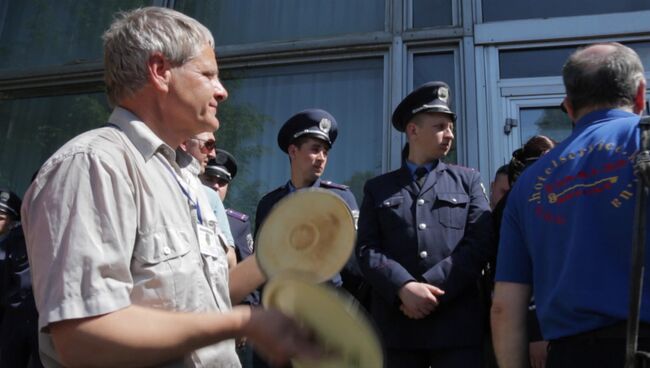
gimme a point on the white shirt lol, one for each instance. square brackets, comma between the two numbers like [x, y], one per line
[107, 226]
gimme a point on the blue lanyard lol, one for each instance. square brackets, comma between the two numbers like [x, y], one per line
[194, 204]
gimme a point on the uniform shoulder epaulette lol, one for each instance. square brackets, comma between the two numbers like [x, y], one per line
[238, 215]
[331, 184]
[456, 166]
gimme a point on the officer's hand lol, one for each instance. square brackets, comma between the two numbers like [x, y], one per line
[278, 338]
[418, 299]
[538, 351]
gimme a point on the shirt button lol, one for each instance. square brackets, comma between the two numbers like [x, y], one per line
[422, 226]
[166, 250]
[424, 254]
[453, 200]
[420, 202]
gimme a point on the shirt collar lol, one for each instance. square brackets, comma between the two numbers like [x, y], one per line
[142, 137]
[412, 167]
[604, 114]
[188, 162]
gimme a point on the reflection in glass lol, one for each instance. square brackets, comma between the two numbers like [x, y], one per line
[439, 67]
[548, 121]
[546, 62]
[432, 13]
[498, 10]
[239, 22]
[262, 99]
[33, 129]
[43, 32]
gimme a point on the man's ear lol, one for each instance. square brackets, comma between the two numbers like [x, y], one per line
[291, 150]
[639, 98]
[411, 129]
[159, 71]
[569, 109]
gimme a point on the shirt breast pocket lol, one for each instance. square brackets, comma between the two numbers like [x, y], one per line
[389, 211]
[452, 209]
[163, 268]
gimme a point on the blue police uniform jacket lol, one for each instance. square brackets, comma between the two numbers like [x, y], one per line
[270, 199]
[240, 227]
[440, 235]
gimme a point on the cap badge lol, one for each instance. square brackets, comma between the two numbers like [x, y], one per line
[325, 125]
[443, 94]
[4, 196]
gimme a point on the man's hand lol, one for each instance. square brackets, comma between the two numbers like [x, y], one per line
[278, 338]
[537, 352]
[418, 299]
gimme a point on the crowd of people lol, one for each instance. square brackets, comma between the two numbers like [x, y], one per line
[135, 261]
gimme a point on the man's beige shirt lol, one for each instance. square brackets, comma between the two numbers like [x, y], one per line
[107, 226]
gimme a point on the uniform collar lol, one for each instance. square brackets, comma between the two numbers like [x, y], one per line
[142, 137]
[291, 188]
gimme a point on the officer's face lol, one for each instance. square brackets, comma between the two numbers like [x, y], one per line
[219, 185]
[195, 91]
[202, 148]
[309, 159]
[5, 223]
[433, 134]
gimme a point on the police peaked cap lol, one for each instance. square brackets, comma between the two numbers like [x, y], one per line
[314, 123]
[223, 166]
[429, 97]
[10, 203]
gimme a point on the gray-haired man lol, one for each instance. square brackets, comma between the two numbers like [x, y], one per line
[124, 268]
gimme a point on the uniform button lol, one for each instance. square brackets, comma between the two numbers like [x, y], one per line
[386, 203]
[422, 226]
[166, 250]
[424, 254]
[453, 200]
[420, 202]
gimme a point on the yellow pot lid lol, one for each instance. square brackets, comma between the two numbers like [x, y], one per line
[310, 231]
[335, 318]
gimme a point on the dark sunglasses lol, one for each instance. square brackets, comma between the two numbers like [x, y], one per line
[207, 144]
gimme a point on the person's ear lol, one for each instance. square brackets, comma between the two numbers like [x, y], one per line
[639, 98]
[159, 71]
[568, 106]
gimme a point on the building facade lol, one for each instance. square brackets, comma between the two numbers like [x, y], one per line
[354, 58]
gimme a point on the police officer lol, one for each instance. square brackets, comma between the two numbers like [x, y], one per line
[18, 315]
[307, 138]
[218, 174]
[9, 211]
[423, 238]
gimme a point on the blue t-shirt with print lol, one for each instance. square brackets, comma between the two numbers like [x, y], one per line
[567, 227]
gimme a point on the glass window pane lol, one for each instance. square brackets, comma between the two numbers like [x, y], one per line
[431, 13]
[439, 67]
[545, 62]
[41, 32]
[548, 121]
[498, 10]
[33, 129]
[262, 99]
[239, 22]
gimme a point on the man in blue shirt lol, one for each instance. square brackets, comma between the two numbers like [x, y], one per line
[567, 228]
[424, 235]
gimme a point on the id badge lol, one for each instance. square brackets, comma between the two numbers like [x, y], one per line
[207, 241]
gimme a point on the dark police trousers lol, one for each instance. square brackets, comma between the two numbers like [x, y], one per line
[602, 348]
